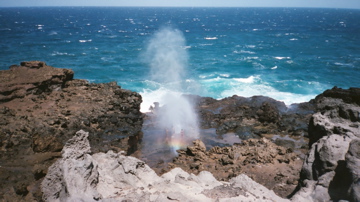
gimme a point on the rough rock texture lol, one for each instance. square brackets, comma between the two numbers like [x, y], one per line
[26, 79]
[273, 166]
[79, 176]
[41, 107]
[257, 117]
[331, 169]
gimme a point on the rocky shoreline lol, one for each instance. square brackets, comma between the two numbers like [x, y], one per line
[306, 152]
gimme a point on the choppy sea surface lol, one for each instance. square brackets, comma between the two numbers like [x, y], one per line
[290, 54]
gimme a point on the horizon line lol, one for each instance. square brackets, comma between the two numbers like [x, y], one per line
[315, 7]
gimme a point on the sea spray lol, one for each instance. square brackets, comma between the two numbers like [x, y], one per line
[167, 57]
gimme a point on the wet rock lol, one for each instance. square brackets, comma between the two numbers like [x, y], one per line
[255, 117]
[112, 176]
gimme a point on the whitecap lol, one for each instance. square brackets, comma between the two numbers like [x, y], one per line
[53, 33]
[205, 44]
[225, 75]
[250, 46]
[211, 38]
[84, 41]
[275, 67]
[250, 90]
[250, 79]
[281, 58]
[62, 53]
[293, 39]
[244, 51]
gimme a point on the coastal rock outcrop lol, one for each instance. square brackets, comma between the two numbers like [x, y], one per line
[26, 79]
[257, 117]
[110, 176]
[41, 107]
[273, 166]
[331, 169]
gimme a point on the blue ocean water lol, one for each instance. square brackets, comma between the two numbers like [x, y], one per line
[290, 54]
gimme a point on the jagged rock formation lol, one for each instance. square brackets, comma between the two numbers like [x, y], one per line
[80, 176]
[273, 166]
[41, 107]
[257, 117]
[26, 79]
[331, 169]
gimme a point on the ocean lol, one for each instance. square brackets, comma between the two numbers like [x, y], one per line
[289, 54]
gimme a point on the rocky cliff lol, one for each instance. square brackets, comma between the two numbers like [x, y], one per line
[331, 169]
[41, 107]
[80, 176]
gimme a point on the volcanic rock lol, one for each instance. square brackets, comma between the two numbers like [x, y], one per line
[330, 170]
[30, 78]
[79, 176]
[273, 166]
[41, 107]
[256, 117]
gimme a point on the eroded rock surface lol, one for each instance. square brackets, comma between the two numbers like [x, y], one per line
[273, 166]
[110, 176]
[257, 117]
[41, 107]
[331, 169]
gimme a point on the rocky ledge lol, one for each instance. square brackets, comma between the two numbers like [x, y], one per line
[80, 176]
[316, 145]
[41, 107]
[331, 170]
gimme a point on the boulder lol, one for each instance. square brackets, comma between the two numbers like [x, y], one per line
[330, 170]
[80, 176]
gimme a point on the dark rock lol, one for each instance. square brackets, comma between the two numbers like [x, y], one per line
[41, 107]
[27, 79]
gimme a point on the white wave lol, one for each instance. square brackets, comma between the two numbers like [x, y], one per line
[250, 79]
[252, 58]
[53, 33]
[210, 38]
[281, 58]
[206, 44]
[225, 75]
[293, 39]
[250, 46]
[343, 64]
[61, 53]
[275, 67]
[265, 90]
[206, 76]
[244, 51]
[84, 41]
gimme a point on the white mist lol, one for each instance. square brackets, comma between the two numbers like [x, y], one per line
[168, 59]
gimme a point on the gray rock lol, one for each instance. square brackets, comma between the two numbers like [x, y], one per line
[331, 168]
[79, 176]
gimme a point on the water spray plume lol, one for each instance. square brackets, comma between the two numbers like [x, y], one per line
[168, 59]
